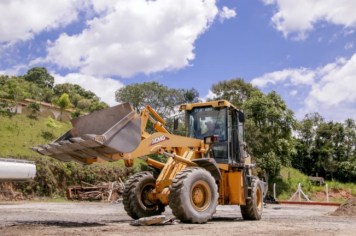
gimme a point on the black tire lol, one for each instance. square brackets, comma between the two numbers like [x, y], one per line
[254, 206]
[198, 207]
[135, 200]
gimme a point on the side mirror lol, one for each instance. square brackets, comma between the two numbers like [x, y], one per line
[175, 125]
[242, 117]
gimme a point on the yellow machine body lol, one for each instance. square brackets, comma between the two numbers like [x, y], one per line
[181, 151]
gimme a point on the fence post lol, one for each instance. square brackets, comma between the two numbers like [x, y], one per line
[274, 191]
[327, 193]
[299, 190]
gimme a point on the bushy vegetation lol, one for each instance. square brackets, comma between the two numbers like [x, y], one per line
[326, 148]
[54, 177]
[38, 84]
[19, 132]
[289, 178]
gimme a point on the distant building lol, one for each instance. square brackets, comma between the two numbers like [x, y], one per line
[46, 109]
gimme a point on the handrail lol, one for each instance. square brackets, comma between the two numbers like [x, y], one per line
[16, 160]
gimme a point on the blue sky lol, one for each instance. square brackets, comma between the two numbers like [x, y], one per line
[302, 49]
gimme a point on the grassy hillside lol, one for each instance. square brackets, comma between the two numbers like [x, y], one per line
[286, 187]
[19, 132]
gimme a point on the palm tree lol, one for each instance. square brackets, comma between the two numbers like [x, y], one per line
[64, 103]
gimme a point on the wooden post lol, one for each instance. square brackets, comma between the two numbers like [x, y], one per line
[274, 191]
[327, 193]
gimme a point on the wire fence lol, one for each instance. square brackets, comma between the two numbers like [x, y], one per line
[307, 192]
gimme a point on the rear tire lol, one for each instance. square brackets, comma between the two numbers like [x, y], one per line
[193, 195]
[135, 196]
[254, 206]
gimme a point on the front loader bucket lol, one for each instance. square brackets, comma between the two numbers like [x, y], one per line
[113, 130]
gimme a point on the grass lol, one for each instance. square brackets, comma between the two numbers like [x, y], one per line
[19, 132]
[287, 184]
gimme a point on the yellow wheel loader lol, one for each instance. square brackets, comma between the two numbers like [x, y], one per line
[205, 167]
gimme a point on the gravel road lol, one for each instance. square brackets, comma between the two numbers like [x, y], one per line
[43, 218]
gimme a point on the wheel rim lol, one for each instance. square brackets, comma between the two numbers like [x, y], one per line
[259, 199]
[200, 195]
[144, 200]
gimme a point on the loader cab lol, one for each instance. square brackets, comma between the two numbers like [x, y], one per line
[220, 119]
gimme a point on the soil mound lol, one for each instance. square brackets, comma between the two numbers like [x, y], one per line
[348, 208]
[333, 193]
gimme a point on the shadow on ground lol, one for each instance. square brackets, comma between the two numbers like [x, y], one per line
[66, 224]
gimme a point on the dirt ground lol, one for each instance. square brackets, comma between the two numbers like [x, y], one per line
[43, 218]
[333, 193]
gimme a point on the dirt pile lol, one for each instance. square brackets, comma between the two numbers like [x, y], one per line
[333, 193]
[348, 208]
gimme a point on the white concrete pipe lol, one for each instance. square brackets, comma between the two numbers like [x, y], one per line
[13, 170]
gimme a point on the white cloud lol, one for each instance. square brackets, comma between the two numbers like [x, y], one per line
[135, 36]
[330, 89]
[226, 13]
[210, 95]
[104, 88]
[299, 17]
[21, 20]
[294, 92]
[349, 45]
[296, 76]
[348, 32]
[15, 70]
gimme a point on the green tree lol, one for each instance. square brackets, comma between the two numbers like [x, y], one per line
[84, 104]
[329, 148]
[236, 91]
[34, 107]
[304, 158]
[269, 128]
[84, 93]
[76, 113]
[63, 103]
[32, 90]
[159, 97]
[50, 124]
[14, 90]
[76, 99]
[350, 138]
[75, 92]
[47, 95]
[96, 106]
[190, 95]
[67, 88]
[39, 76]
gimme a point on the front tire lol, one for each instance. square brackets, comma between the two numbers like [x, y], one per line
[135, 196]
[193, 195]
[253, 208]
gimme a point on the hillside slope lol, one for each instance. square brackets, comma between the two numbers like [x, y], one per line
[19, 132]
[287, 184]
